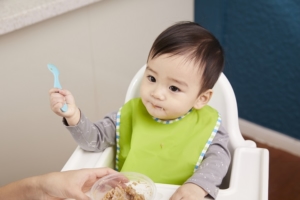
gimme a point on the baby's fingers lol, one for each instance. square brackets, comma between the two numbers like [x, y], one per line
[189, 191]
[56, 106]
[60, 91]
[56, 102]
[53, 90]
[177, 196]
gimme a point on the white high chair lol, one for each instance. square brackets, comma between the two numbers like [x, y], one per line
[247, 177]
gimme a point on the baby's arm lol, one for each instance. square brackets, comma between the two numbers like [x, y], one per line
[89, 136]
[94, 136]
[58, 98]
[210, 173]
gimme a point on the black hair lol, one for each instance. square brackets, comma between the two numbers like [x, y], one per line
[197, 44]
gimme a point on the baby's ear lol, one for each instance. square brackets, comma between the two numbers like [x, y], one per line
[203, 99]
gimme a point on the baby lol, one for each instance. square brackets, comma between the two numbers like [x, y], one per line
[170, 133]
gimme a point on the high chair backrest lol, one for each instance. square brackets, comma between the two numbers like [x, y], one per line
[223, 100]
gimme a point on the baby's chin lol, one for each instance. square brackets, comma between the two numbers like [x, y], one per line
[164, 117]
[158, 116]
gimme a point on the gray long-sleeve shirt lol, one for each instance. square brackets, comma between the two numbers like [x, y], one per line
[102, 134]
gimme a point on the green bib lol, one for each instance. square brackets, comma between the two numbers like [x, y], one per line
[166, 151]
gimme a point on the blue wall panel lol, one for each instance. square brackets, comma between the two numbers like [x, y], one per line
[262, 45]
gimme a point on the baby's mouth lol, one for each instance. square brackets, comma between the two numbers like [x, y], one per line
[155, 106]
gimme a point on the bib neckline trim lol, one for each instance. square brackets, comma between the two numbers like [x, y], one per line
[172, 120]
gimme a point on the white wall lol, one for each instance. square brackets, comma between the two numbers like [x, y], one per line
[97, 49]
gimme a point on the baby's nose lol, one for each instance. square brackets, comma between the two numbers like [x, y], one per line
[158, 94]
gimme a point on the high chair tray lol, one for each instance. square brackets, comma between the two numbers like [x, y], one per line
[248, 180]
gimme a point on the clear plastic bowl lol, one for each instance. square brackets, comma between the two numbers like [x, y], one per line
[141, 183]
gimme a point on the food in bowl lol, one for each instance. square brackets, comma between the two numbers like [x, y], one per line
[123, 193]
[124, 186]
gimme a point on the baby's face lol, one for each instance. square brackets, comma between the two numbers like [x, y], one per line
[170, 86]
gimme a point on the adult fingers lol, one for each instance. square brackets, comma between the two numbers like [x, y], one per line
[100, 172]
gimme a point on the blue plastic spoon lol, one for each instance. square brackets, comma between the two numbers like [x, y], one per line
[55, 72]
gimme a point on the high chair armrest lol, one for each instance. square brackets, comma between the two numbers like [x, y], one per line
[86, 159]
[249, 175]
[248, 181]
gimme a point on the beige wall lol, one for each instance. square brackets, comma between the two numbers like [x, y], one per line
[97, 49]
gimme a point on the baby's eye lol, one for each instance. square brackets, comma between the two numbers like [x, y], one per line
[151, 78]
[174, 89]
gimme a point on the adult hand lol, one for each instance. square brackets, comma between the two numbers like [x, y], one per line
[69, 184]
[55, 186]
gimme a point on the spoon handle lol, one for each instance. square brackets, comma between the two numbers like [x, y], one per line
[55, 73]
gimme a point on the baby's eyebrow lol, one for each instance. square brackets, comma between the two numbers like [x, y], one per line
[148, 68]
[179, 82]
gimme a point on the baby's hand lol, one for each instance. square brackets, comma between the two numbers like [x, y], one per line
[58, 98]
[189, 191]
